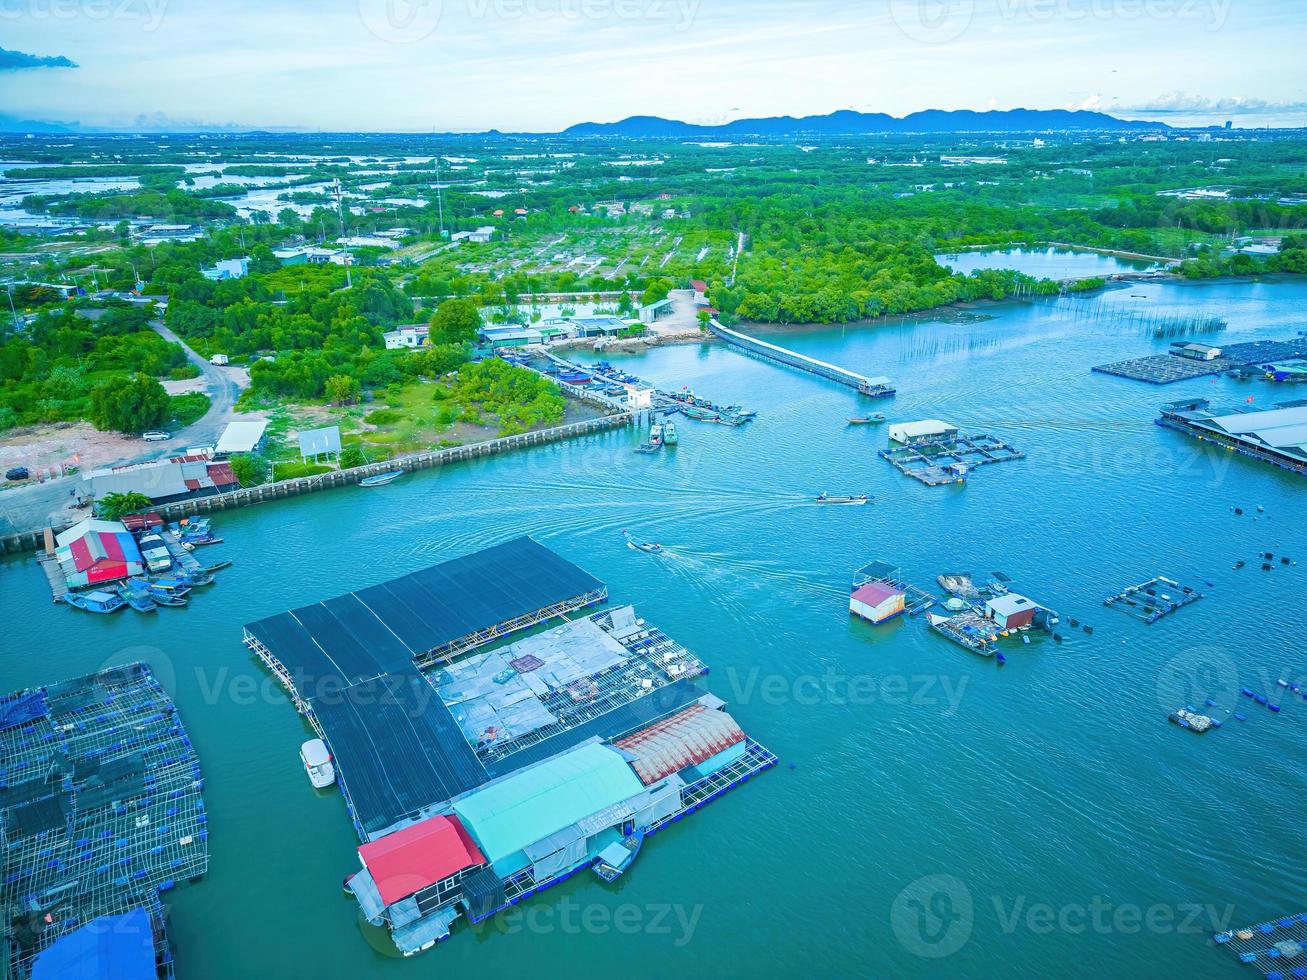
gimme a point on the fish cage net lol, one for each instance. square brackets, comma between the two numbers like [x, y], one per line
[101, 805]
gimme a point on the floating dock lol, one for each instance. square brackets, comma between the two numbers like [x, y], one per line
[1272, 436]
[1148, 603]
[101, 805]
[915, 600]
[520, 765]
[1278, 948]
[944, 461]
[879, 387]
[968, 629]
[1165, 369]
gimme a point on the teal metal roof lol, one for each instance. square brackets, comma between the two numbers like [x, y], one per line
[528, 806]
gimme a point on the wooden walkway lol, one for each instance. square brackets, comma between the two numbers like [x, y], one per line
[873, 387]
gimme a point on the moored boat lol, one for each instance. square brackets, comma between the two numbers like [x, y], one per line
[97, 601]
[317, 763]
[381, 479]
[656, 434]
[669, 433]
[138, 599]
[618, 856]
[867, 419]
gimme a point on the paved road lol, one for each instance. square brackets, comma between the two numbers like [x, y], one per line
[42, 504]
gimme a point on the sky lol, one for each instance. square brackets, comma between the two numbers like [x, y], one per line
[541, 65]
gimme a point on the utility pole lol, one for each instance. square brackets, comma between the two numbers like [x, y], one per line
[9, 291]
[340, 214]
[440, 198]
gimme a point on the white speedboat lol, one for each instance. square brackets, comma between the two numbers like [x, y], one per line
[317, 763]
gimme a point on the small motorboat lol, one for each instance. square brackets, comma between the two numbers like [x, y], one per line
[656, 434]
[669, 433]
[97, 601]
[648, 448]
[217, 566]
[829, 498]
[867, 419]
[138, 599]
[317, 763]
[381, 479]
[617, 856]
[648, 547]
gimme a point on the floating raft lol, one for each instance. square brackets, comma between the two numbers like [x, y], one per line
[939, 462]
[1165, 369]
[1146, 602]
[100, 804]
[915, 600]
[1278, 948]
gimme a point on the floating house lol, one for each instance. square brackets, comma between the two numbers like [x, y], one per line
[130, 946]
[1276, 436]
[522, 763]
[1195, 351]
[1292, 370]
[877, 602]
[926, 429]
[93, 552]
[1011, 611]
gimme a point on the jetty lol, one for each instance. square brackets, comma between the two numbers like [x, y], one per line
[937, 462]
[1147, 602]
[523, 763]
[101, 809]
[877, 387]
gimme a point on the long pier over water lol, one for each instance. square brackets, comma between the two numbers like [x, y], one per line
[875, 387]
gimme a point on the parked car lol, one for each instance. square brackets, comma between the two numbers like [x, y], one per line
[17, 473]
[156, 435]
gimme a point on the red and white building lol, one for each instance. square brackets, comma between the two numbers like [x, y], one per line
[876, 602]
[94, 552]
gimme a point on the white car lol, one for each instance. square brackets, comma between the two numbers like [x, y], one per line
[154, 435]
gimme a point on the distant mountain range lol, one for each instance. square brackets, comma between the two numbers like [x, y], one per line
[849, 123]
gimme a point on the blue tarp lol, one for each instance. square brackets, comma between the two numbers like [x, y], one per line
[112, 947]
[21, 708]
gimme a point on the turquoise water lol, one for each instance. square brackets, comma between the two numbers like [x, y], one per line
[1043, 263]
[1053, 787]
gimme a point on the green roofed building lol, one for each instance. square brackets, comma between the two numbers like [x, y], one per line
[512, 813]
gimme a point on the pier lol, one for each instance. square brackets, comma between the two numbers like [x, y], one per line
[879, 387]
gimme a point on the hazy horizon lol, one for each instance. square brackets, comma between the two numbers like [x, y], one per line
[542, 65]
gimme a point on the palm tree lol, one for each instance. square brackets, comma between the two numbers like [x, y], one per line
[114, 505]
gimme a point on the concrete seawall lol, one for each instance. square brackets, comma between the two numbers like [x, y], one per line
[34, 538]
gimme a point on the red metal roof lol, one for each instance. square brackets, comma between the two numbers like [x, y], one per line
[685, 739]
[413, 858]
[874, 593]
[139, 522]
[221, 474]
[699, 286]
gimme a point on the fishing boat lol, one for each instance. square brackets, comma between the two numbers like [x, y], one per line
[317, 763]
[196, 541]
[381, 479]
[656, 434]
[867, 419]
[746, 414]
[669, 433]
[96, 602]
[699, 414]
[846, 501]
[648, 448]
[617, 856]
[575, 377]
[217, 566]
[648, 547]
[167, 599]
[138, 599]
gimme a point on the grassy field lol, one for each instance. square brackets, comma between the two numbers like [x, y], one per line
[402, 419]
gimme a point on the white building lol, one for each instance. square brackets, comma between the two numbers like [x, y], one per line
[906, 432]
[482, 234]
[411, 336]
[245, 434]
[227, 269]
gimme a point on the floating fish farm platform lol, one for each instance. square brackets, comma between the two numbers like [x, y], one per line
[478, 772]
[101, 810]
[915, 600]
[1277, 948]
[939, 462]
[1147, 602]
[1277, 436]
[1165, 369]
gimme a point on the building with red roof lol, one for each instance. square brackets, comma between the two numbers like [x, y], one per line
[419, 856]
[877, 602]
[700, 291]
[94, 552]
[698, 736]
